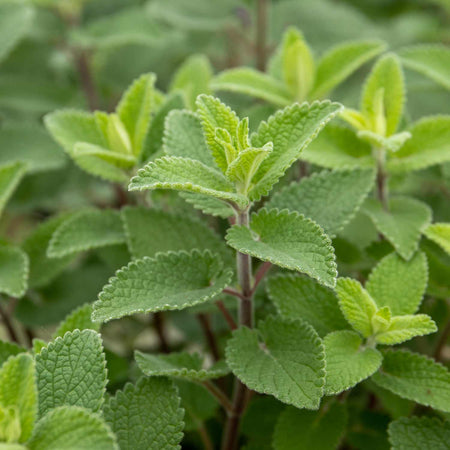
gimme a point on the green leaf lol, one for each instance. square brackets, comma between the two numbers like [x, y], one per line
[248, 81]
[69, 428]
[288, 240]
[71, 371]
[419, 433]
[433, 61]
[415, 377]
[8, 349]
[86, 230]
[356, 305]
[179, 365]
[292, 297]
[348, 361]
[331, 199]
[183, 174]
[79, 319]
[291, 130]
[10, 177]
[439, 233]
[283, 358]
[14, 270]
[166, 282]
[306, 430]
[399, 284]
[134, 110]
[18, 394]
[340, 62]
[403, 224]
[208, 205]
[146, 415]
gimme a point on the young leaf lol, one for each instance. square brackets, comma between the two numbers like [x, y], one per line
[292, 296]
[10, 177]
[439, 233]
[415, 377]
[356, 305]
[166, 282]
[86, 230]
[348, 362]
[8, 349]
[399, 284]
[71, 371]
[146, 415]
[283, 358]
[288, 240]
[18, 393]
[79, 319]
[14, 270]
[403, 224]
[331, 199]
[70, 427]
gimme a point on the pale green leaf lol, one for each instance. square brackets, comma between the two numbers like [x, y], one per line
[71, 371]
[415, 377]
[8, 349]
[79, 319]
[208, 205]
[403, 224]
[331, 199]
[282, 358]
[146, 416]
[38, 345]
[14, 271]
[348, 361]
[298, 297]
[399, 284]
[288, 240]
[167, 282]
[439, 233]
[86, 230]
[390, 144]
[70, 428]
[10, 177]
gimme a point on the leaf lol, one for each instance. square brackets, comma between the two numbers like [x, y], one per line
[433, 61]
[79, 319]
[138, 426]
[18, 392]
[291, 130]
[166, 282]
[419, 433]
[321, 430]
[331, 199]
[403, 224]
[439, 233]
[248, 81]
[399, 284]
[86, 230]
[208, 205]
[8, 349]
[340, 62]
[298, 297]
[415, 377]
[288, 240]
[10, 177]
[348, 362]
[283, 358]
[183, 174]
[179, 365]
[71, 371]
[70, 427]
[356, 305]
[14, 270]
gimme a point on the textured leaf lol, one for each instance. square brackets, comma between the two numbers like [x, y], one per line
[340, 62]
[306, 430]
[14, 270]
[290, 130]
[179, 365]
[167, 282]
[288, 240]
[439, 233]
[399, 284]
[415, 377]
[146, 416]
[69, 428]
[282, 358]
[356, 305]
[248, 81]
[331, 199]
[79, 319]
[419, 433]
[86, 230]
[71, 371]
[10, 177]
[302, 298]
[8, 349]
[403, 224]
[348, 361]
[208, 205]
[18, 392]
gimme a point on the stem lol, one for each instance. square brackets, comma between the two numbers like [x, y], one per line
[382, 192]
[205, 323]
[9, 325]
[262, 7]
[232, 292]
[204, 436]
[219, 395]
[158, 323]
[226, 314]
[87, 82]
[260, 273]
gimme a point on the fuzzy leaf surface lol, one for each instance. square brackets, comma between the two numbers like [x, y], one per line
[10, 177]
[14, 270]
[439, 233]
[79, 319]
[8, 349]
[208, 205]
